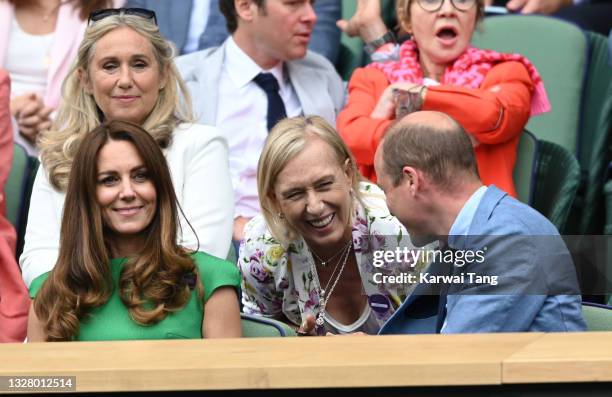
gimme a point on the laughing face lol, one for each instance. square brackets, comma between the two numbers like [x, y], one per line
[442, 35]
[313, 194]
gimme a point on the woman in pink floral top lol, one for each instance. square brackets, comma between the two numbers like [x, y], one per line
[310, 259]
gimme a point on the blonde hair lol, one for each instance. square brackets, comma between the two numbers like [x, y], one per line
[286, 140]
[79, 113]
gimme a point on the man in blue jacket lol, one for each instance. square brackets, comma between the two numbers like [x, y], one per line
[509, 270]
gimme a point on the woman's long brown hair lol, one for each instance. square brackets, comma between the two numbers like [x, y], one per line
[152, 284]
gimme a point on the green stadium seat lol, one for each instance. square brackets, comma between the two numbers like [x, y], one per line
[557, 180]
[351, 54]
[261, 327]
[16, 184]
[18, 189]
[594, 139]
[597, 317]
[526, 167]
[558, 49]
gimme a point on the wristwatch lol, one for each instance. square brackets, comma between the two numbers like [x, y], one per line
[371, 47]
[408, 101]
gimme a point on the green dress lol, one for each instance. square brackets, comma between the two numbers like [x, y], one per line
[112, 321]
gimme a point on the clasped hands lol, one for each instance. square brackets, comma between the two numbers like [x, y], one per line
[31, 114]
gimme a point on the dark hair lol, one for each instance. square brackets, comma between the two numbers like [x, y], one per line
[444, 154]
[151, 284]
[228, 9]
[85, 7]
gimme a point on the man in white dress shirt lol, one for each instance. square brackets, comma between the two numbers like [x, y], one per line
[268, 37]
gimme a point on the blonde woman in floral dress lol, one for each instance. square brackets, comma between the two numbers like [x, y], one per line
[312, 258]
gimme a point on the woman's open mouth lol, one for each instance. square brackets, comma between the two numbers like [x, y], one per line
[320, 223]
[447, 34]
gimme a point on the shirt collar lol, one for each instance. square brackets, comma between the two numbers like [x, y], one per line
[461, 226]
[242, 69]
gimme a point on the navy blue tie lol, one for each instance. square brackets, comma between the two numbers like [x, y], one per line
[276, 107]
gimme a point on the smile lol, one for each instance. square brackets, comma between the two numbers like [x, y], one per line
[322, 222]
[128, 211]
[126, 98]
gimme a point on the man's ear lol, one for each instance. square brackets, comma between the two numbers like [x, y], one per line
[85, 81]
[246, 9]
[412, 178]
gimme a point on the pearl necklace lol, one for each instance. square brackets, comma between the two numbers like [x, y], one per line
[325, 294]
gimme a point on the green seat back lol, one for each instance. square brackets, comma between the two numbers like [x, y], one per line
[16, 185]
[558, 50]
[595, 137]
[33, 165]
[607, 193]
[261, 327]
[598, 318]
[525, 167]
[557, 180]
[608, 204]
[351, 54]
[597, 93]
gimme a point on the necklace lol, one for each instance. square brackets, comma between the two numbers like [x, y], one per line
[331, 258]
[325, 294]
[331, 277]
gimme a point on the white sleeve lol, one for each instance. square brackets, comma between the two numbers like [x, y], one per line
[41, 246]
[207, 195]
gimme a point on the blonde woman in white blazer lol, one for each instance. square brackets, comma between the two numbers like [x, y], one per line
[125, 71]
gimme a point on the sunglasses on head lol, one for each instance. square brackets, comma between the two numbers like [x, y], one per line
[97, 15]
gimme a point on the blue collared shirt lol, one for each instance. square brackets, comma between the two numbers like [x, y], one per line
[462, 223]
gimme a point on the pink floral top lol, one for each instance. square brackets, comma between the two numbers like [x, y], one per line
[279, 280]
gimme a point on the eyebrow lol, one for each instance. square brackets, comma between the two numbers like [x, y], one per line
[135, 56]
[324, 178]
[110, 172]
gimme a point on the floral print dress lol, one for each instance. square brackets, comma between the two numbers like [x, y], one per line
[278, 280]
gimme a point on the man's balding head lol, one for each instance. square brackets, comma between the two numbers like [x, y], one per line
[433, 143]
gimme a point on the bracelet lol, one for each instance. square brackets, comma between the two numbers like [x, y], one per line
[371, 47]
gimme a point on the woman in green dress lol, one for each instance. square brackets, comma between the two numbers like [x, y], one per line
[120, 273]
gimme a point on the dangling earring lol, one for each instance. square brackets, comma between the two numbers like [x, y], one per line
[281, 215]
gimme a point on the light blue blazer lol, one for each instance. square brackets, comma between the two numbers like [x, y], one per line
[537, 287]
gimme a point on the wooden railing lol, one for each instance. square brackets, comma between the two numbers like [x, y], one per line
[325, 362]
